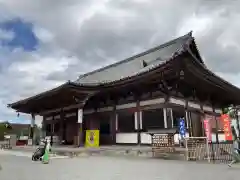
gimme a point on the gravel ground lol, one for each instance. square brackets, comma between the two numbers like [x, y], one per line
[16, 167]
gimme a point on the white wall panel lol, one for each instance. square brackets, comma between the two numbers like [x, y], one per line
[126, 137]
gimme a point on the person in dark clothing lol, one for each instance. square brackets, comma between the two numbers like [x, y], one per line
[234, 133]
[51, 140]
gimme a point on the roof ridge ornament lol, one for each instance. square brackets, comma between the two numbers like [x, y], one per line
[144, 63]
[190, 33]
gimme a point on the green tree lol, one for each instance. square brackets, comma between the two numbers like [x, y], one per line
[4, 129]
[2, 132]
[230, 111]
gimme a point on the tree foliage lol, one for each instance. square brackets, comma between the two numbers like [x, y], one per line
[4, 129]
[230, 111]
[2, 132]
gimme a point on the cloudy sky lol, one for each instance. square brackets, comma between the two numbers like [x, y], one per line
[47, 42]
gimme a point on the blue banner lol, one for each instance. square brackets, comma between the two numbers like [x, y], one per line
[182, 128]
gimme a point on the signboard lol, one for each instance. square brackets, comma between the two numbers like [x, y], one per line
[227, 127]
[80, 115]
[208, 129]
[92, 138]
[182, 128]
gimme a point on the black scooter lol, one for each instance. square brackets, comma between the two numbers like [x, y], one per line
[38, 154]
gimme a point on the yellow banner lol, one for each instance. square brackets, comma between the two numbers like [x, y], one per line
[92, 138]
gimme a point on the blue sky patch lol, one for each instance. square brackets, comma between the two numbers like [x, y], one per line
[20, 120]
[24, 36]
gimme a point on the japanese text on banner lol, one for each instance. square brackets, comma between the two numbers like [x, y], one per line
[208, 130]
[226, 127]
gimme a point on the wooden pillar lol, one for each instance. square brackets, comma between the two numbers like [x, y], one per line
[165, 117]
[138, 116]
[141, 122]
[217, 135]
[116, 122]
[202, 118]
[216, 121]
[113, 126]
[52, 130]
[169, 118]
[135, 120]
[172, 120]
[32, 129]
[80, 135]
[79, 127]
[53, 126]
[187, 117]
[238, 126]
[61, 123]
[190, 126]
[196, 124]
[44, 126]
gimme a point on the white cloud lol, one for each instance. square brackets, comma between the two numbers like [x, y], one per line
[38, 120]
[197, 24]
[43, 34]
[41, 66]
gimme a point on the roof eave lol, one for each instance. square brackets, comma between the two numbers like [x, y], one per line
[226, 85]
[45, 93]
[37, 95]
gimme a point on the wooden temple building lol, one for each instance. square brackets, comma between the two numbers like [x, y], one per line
[125, 100]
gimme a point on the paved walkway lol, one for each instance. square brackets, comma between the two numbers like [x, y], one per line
[111, 168]
[143, 149]
[133, 151]
[27, 154]
[76, 149]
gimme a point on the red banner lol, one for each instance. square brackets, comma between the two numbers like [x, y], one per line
[208, 129]
[227, 127]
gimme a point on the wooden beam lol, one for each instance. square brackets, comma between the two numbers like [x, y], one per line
[80, 91]
[138, 123]
[74, 106]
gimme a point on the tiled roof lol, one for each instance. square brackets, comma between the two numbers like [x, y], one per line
[134, 65]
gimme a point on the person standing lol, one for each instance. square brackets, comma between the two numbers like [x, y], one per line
[236, 150]
[51, 140]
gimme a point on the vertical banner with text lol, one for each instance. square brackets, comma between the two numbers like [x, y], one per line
[208, 129]
[227, 127]
[182, 128]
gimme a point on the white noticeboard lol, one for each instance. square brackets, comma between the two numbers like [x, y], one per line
[80, 115]
[30, 143]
